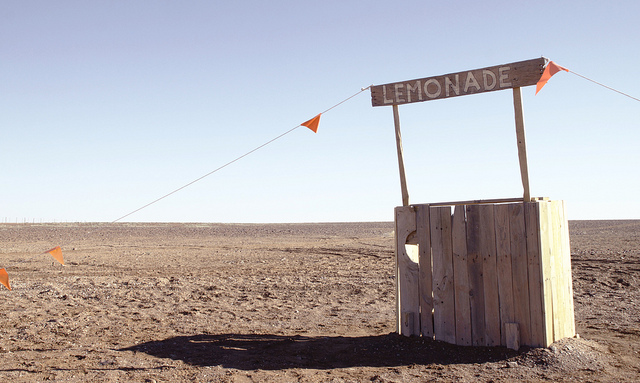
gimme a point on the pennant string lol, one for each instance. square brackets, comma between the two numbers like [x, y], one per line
[347, 99]
[232, 161]
[602, 85]
[56, 252]
[206, 175]
[553, 68]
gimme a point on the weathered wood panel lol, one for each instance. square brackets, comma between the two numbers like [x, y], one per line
[443, 292]
[425, 281]
[519, 268]
[475, 268]
[536, 303]
[570, 329]
[490, 276]
[407, 273]
[548, 274]
[461, 277]
[558, 284]
[489, 79]
[503, 256]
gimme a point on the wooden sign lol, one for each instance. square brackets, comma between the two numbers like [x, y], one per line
[513, 75]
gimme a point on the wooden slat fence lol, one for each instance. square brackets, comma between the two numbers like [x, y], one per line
[485, 274]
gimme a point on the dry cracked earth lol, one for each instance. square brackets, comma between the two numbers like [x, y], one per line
[277, 303]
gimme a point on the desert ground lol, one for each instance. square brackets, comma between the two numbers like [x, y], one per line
[277, 303]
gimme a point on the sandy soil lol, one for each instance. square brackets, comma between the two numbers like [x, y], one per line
[277, 303]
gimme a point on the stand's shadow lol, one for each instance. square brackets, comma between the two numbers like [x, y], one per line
[275, 352]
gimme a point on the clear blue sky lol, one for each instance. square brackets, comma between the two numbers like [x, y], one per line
[107, 105]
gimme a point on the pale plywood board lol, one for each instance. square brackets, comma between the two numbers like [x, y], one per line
[407, 273]
[461, 277]
[503, 256]
[570, 329]
[534, 269]
[476, 283]
[425, 276]
[559, 293]
[490, 276]
[519, 267]
[548, 275]
[443, 292]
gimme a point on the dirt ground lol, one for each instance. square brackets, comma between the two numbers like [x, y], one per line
[277, 303]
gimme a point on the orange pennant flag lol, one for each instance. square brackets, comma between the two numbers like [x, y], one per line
[312, 123]
[56, 253]
[551, 69]
[4, 278]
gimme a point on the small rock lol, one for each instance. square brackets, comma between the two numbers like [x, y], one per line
[512, 364]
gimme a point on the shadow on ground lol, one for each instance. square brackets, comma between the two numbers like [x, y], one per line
[275, 352]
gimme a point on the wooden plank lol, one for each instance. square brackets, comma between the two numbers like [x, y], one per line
[503, 256]
[519, 269]
[490, 276]
[397, 247]
[522, 143]
[476, 283]
[489, 79]
[477, 202]
[570, 329]
[408, 305]
[548, 276]
[425, 276]
[461, 277]
[442, 258]
[564, 272]
[403, 178]
[534, 269]
[558, 280]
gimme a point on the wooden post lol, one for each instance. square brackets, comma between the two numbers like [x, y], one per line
[522, 144]
[403, 179]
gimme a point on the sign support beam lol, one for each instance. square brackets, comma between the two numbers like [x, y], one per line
[403, 178]
[513, 75]
[522, 143]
